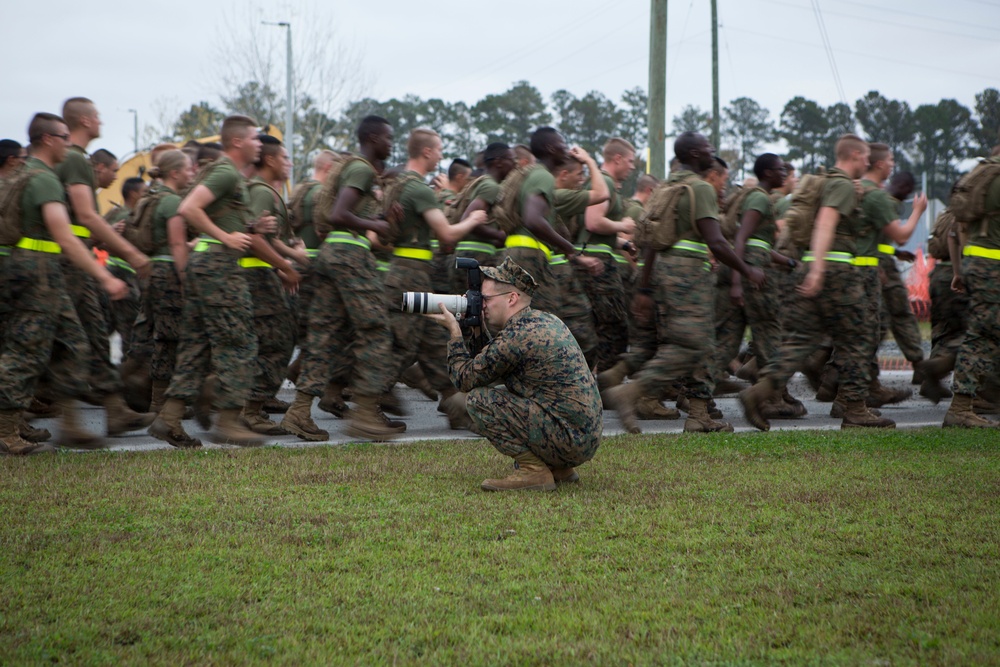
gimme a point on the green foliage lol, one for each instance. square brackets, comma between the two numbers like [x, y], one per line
[804, 128]
[889, 122]
[987, 134]
[511, 116]
[201, 120]
[748, 126]
[944, 133]
[791, 547]
[590, 121]
[692, 119]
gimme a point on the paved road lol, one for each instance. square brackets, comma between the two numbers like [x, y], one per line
[424, 422]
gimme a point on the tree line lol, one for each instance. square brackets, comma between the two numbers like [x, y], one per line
[932, 138]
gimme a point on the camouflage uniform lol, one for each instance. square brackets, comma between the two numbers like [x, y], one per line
[839, 308]
[730, 323]
[348, 335]
[573, 305]
[218, 335]
[43, 334]
[273, 321]
[484, 252]
[549, 404]
[301, 208]
[122, 313]
[84, 292]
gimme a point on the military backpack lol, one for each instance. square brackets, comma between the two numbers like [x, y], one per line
[454, 209]
[730, 222]
[11, 196]
[968, 199]
[507, 207]
[657, 228]
[801, 215]
[139, 224]
[327, 195]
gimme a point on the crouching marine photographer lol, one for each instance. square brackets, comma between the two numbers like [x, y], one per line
[547, 417]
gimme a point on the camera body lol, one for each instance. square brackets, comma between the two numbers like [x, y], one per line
[468, 306]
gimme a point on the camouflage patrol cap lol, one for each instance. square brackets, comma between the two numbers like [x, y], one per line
[511, 274]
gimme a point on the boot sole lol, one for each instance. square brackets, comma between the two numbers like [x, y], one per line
[134, 425]
[239, 442]
[167, 436]
[382, 436]
[311, 436]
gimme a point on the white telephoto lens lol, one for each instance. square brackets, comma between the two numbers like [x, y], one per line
[425, 302]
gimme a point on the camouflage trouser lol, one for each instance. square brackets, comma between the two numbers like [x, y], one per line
[415, 338]
[535, 262]
[641, 335]
[43, 334]
[896, 313]
[683, 290]
[516, 425]
[163, 306]
[838, 310]
[441, 270]
[978, 352]
[301, 302]
[274, 325]
[763, 306]
[873, 319]
[607, 298]
[574, 309]
[86, 297]
[949, 312]
[348, 338]
[730, 325]
[122, 313]
[218, 335]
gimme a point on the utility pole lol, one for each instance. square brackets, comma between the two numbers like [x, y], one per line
[289, 97]
[715, 74]
[658, 88]
[135, 137]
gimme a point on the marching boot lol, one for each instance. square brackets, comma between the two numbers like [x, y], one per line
[229, 429]
[753, 400]
[565, 475]
[333, 400]
[257, 421]
[205, 401]
[748, 371]
[167, 425]
[392, 404]
[11, 441]
[649, 408]
[699, 421]
[71, 433]
[531, 474]
[122, 419]
[298, 420]
[857, 415]
[159, 396]
[813, 367]
[612, 377]
[713, 410]
[137, 384]
[453, 404]
[368, 422]
[32, 434]
[275, 405]
[294, 369]
[879, 395]
[961, 414]
[624, 399]
[414, 378]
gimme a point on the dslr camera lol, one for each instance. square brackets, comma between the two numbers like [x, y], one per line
[467, 307]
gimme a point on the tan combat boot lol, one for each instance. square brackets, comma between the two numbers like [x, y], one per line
[298, 420]
[531, 474]
[414, 378]
[229, 430]
[749, 371]
[275, 405]
[624, 399]
[206, 400]
[255, 419]
[333, 401]
[814, 365]
[294, 369]
[121, 419]
[650, 408]
[453, 404]
[368, 422]
[857, 415]
[753, 401]
[167, 425]
[392, 404]
[612, 377]
[71, 432]
[11, 441]
[137, 385]
[961, 414]
[879, 395]
[699, 421]
[158, 396]
[32, 434]
[564, 475]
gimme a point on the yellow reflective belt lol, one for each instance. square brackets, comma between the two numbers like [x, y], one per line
[349, 239]
[475, 246]
[80, 230]
[887, 249]
[620, 259]
[866, 261]
[38, 245]
[381, 265]
[312, 252]
[979, 251]
[121, 264]
[162, 258]
[5, 250]
[844, 257]
[254, 263]
[556, 260]
[414, 253]
[204, 242]
[435, 245]
[524, 241]
[693, 246]
[597, 247]
[757, 243]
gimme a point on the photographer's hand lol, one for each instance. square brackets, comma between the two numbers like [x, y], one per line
[447, 319]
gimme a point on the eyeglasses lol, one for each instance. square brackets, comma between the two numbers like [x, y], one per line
[487, 297]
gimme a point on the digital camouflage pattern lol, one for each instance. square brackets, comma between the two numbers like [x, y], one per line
[949, 312]
[549, 406]
[979, 349]
[163, 305]
[87, 297]
[897, 316]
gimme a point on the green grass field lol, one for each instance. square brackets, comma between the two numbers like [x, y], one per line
[787, 548]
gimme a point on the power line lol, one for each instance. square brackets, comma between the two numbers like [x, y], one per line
[936, 19]
[672, 49]
[829, 50]
[673, 62]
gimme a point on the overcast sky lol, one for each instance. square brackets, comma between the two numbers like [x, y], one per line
[158, 57]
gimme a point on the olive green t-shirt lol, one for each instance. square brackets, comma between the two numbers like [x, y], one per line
[307, 230]
[44, 187]
[706, 205]
[615, 212]
[538, 181]
[486, 189]
[634, 209]
[781, 206]
[263, 200]
[569, 205]
[878, 209]
[992, 207]
[839, 193]
[230, 210]
[416, 199]
[166, 209]
[760, 202]
[76, 169]
[360, 175]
